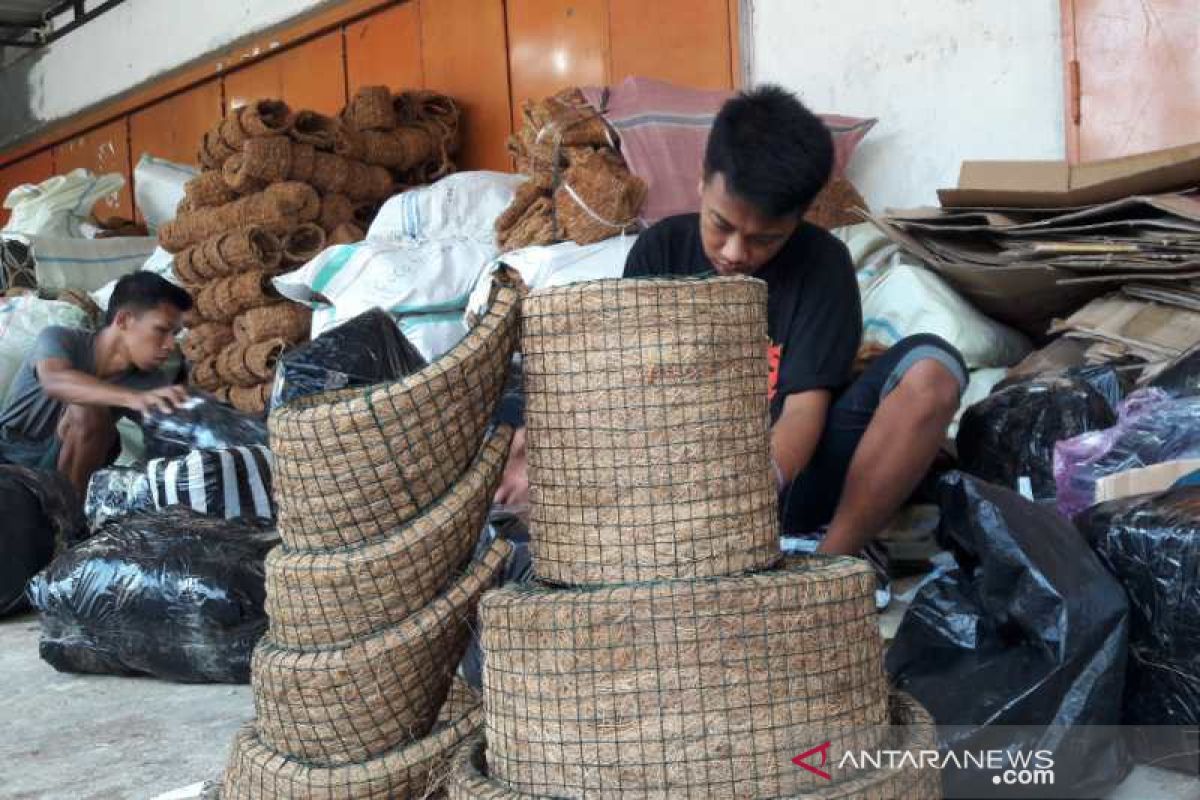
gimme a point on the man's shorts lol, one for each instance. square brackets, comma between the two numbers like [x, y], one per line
[31, 453]
[811, 499]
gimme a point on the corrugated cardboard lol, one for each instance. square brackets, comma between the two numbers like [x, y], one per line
[1154, 330]
[1057, 184]
[1145, 480]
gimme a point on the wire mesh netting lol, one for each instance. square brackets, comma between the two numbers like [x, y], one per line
[326, 597]
[416, 770]
[338, 705]
[910, 731]
[696, 688]
[353, 464]
[648, 430]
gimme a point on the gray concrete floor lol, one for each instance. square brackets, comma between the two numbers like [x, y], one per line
[83, 737]
[79, 737]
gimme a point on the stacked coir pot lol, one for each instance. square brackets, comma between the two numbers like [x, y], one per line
[668, 650]
[382, 494]
[277, 188]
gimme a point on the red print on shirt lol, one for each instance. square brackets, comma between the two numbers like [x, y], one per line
[774, 351]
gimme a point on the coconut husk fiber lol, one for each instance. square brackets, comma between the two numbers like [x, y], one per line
[331, 174]
[535, 227]
[206, 339]
[642, 396]
[597, 200]
[336, 209]
[526, 195]
[838, 204]
[911, 730]
[266, 118]
[329, 597]
[303, 244]
[251, 399]
[249, 363]
[346, 233]
[353, 464]
[264, 158]
[208, 189]
[400, 149]
[421, 106]
[304, 161]
[204, 374]
[214, 150]
[222, 394]
[335, 706]
[702, 688]
[365, 212]
[225, 298]
[315, 129]
[278, 208]
[241, 250]
[371, 109]
[416, 771]
[284, 320]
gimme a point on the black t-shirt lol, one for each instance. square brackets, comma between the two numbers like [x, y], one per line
[814, 314]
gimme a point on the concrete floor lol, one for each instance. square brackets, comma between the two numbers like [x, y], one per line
[84, 737]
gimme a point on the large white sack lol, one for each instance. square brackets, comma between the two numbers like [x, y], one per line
[87, 264]
[158, 188]
[160, 262]
[424, 285]
[905, 299]
[464, 205]
[543, 266]
[979, 385]
[59, 206]
[21, 320]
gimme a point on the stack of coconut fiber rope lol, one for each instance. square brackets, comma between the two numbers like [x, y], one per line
[278, 187]
[579, 188]
[382, 494]
[667, 649]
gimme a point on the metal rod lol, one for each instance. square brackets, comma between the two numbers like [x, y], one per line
[58, 33]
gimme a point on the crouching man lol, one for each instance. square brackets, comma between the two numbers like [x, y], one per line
[847, 451]
[61, 410]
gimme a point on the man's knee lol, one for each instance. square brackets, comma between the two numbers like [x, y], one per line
[933, 387]
[87, 426]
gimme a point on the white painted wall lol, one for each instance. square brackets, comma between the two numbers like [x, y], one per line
[948, 79]
[138, 41]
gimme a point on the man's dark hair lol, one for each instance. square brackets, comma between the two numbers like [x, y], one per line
[143, 291]
[773, 152]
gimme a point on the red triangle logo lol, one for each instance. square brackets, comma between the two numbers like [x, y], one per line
[802, 760]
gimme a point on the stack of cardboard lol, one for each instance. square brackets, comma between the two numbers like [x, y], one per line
[1106, 252]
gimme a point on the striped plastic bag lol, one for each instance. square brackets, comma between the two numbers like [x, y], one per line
[230, 483]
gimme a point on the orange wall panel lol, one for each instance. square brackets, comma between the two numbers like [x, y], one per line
[385, 49]
[103, 150]
[553, 44]
[682, 41]
[172, 128]
[464, 52]
[31, 169]
[308, 76]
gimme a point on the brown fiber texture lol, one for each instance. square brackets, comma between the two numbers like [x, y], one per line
[315, 129]
[303, 243]
[251, 399]
[340, 705]
[241, 250]
[226, 298]
[371, 109]
[346, 233]
[336, 209]
[414, 771]
[208, 189]
[704, 687]
[328, 597]
[206, 339]
[647, 429]
[597, 199]
[204, 374]
[353, 464]
[249, 363]
[278, 208]
[264, 158]
[279, 320]
[910, 731]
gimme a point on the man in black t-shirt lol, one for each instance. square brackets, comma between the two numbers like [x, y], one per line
[846, 453]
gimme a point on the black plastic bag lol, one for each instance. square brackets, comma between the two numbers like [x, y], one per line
[116, 492]
[200, 423]
[363, 351]
[1008, 438]
[1022, 647]
[173, 594]
[1152, 544]
[1181, 379]
[1114, 380]
[41, 516]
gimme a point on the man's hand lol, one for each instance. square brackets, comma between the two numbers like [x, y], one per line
[514, 484]
[164, 400]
